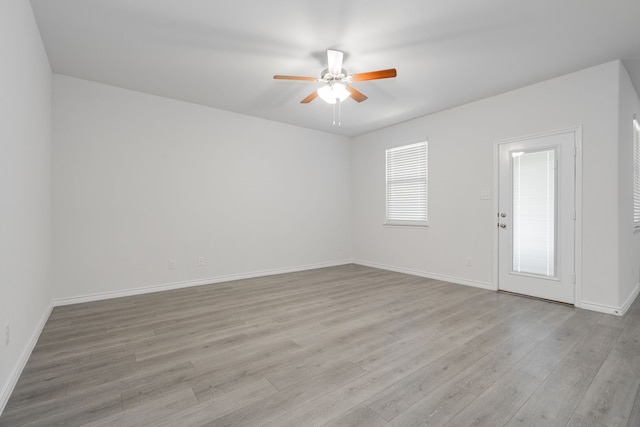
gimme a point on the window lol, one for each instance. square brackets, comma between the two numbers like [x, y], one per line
[636, 174]
[407, 179]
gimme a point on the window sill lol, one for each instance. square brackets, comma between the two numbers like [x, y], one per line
[420, 226]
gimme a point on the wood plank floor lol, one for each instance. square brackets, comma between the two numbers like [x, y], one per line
[340, 346]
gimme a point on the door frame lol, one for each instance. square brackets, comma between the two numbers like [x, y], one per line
[577, 244]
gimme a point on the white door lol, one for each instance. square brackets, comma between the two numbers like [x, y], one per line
[536, 218]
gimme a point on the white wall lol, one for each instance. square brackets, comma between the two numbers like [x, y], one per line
[629, 242]
[140, 179]
[25, 190]
[461, 166]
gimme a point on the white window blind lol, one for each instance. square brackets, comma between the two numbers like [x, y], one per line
[407, 180]
[636, 174]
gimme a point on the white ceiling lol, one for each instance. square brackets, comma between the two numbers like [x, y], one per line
[225, 53]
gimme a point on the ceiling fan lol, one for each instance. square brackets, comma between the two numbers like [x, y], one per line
[337, 81]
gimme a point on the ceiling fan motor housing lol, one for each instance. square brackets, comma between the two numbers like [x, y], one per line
[328, 77]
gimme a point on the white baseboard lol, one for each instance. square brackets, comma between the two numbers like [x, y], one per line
[187, 284]
[631, 299]
[600, 308]
[456, 280]
[17, 370]
[618, 311]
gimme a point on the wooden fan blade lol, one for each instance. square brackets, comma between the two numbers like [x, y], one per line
[374, 75]
[309, 98]
[356, 94]
[308, 79]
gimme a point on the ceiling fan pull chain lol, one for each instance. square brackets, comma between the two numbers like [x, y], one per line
[339, 112]
[334, 114]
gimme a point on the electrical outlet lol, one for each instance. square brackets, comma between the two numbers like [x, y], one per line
[172, 264]
[200, 261]
[468, 262]
[5, 332]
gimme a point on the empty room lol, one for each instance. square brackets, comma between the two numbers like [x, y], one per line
[346, 213]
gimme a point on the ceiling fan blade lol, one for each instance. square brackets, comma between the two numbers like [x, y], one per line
[310, 98]
[374, 75]
[356, 94]
[334, 61]
[308, 79]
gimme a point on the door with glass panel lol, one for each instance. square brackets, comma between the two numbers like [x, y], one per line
[536, 217]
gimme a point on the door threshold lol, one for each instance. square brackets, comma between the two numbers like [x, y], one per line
[536, 298]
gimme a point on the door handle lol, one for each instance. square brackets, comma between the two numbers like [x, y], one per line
[502, 225]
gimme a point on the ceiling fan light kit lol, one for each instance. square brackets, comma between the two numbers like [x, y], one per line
[333, 92]
[336, 87]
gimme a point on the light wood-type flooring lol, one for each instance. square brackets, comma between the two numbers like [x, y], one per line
[340, 346]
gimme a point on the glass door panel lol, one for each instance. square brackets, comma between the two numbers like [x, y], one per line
[534, 212]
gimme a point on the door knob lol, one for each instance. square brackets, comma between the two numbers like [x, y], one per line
[503, 214]
[502, 225]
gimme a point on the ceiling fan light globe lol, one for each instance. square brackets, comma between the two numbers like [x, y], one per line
[326, 94]
[340, 91]
[331, 93]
